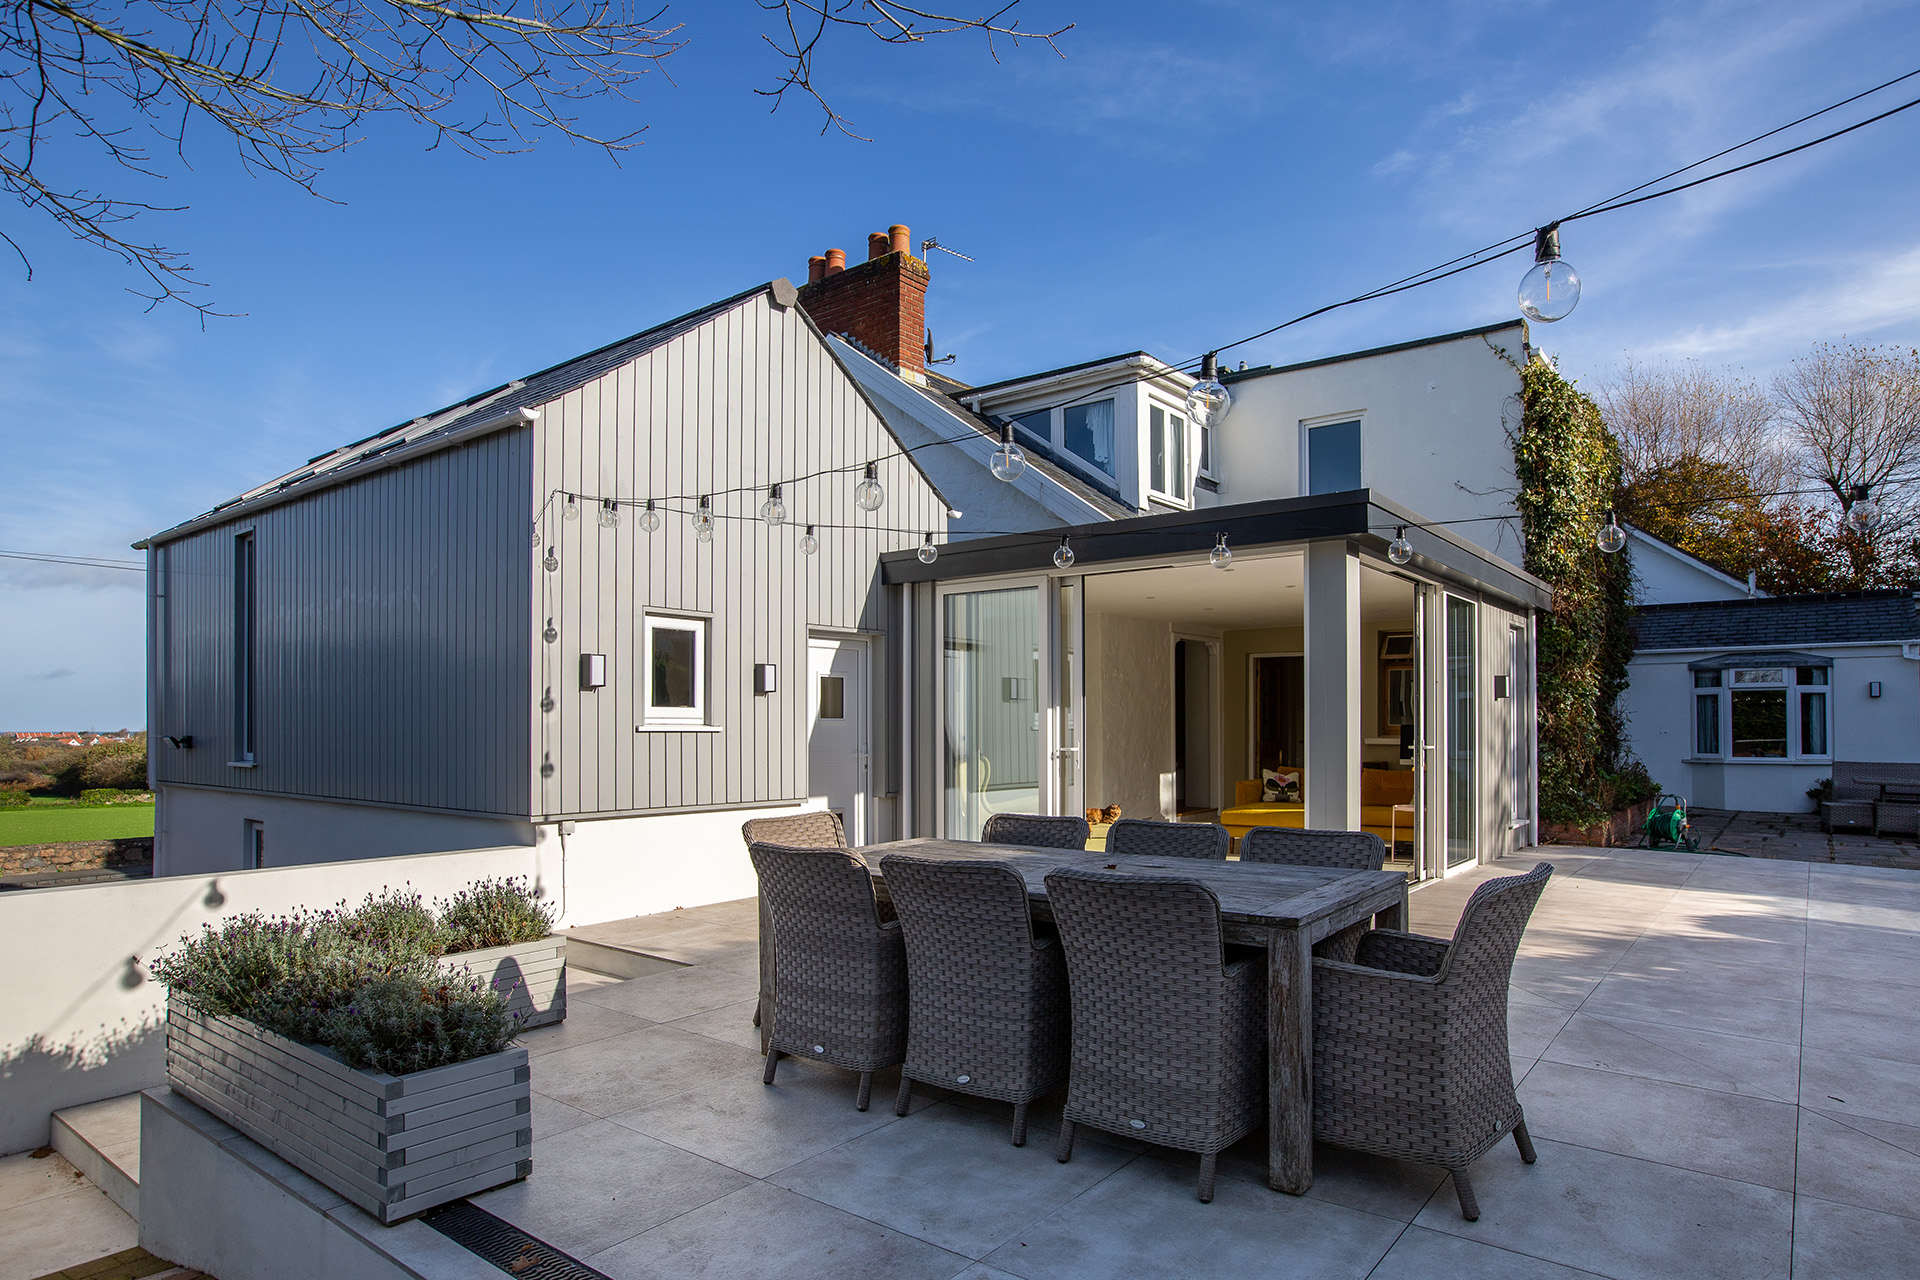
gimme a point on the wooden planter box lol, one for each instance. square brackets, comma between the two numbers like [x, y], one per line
[393, 1145]
[1622, 828]
[531, 975]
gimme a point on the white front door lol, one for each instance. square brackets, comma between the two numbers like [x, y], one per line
[837, 728]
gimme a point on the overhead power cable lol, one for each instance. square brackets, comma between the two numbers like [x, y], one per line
[83, 562]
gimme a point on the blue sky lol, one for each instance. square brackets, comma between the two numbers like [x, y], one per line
[1185, 175]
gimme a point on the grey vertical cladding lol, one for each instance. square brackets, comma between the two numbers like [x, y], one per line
[393, 645]
[746, 399]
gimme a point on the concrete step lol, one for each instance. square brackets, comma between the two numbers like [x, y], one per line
[614, 960]
[102, 1140]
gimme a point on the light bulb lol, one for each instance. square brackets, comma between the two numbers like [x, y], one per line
[1063, 555]
[1009, 460]
[650, 518]
[573, 507]
[552, 632]
[537, 539]
[1221, 557]
[1209, 401]
[703, 520]
[1612, 537]
[868, 495]
[1400, 551]
[773, 510]
[1551, 290]
[928, 552]
[609, 514]
[808, 542]
[552, 562]
[1862, 509]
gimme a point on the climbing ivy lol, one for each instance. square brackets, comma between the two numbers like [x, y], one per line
[1568, 466]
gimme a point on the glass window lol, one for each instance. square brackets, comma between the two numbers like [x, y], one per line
[1206, 451]
[1759, 723]
[1462, 744]
[1333, 457]
[1706, 679]
[1167, 453]
[1706, 724]
[1813, 723]
[1088, 433]
[992, 745]
[676, 670]
[1810, 675]
[1038, 425]
[1761, 675]
[833, 698]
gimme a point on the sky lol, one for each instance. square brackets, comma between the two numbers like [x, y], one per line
[1178, 176]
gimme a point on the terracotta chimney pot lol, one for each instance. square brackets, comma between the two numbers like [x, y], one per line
[836, 261]
[877, 246]
[816, 269]
[900, 239]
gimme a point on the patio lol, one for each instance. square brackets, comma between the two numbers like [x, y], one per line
[1720, 1060]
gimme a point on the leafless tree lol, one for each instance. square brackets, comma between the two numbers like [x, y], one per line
[291, 81]
[1669, 414]
[1854, 414]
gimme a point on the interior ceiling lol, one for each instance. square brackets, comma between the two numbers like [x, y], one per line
[1255, 592]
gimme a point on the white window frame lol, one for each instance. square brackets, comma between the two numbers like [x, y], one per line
[1723, 695]
[1188, 468]
[694, 717]
[1307, 426]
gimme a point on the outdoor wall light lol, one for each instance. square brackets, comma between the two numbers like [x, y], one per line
[1209, 401]
[868, 494]
[1221, 557]
[1551, 290]
[1009, 460]
[593, 671]
[766, 678]
[1063, 555]
[928, 552]
[774, 509]
[1861, 508]
[1611, 537]
[650, 518]
[1400, 551]
[1873, 688]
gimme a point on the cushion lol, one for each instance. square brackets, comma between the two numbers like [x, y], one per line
[1281, 786]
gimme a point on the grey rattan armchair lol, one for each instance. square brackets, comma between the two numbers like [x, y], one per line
[1169, 839]
[1410, 1040]
[1168, 1036]
[842, 994]
[814, 830]
[1352, 850]
[1037, 830]
[986, 996]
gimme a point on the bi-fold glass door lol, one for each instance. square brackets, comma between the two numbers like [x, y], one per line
[997, 675]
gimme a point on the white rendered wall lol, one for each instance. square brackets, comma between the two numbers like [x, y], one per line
[81, 1019]
[1665, 575]
[1434, 435]
[1659, 707]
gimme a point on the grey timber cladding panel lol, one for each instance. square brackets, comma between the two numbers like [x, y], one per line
[531, 976]
[393, 650]
[749, 397]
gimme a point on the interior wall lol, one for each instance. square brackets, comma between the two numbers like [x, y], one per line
[1371, 728]
[1235, 648]
[1129, 712]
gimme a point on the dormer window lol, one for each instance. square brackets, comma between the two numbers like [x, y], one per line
[1167, 453]
[1087, 433]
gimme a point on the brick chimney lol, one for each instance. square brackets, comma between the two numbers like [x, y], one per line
[881, 303]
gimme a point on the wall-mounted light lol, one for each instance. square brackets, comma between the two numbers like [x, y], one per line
[1873, 688]
[182, 743]
[766, 678]
[593, 671]
[1502, 687]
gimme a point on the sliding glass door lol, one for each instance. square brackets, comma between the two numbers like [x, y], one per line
[1462, 726]
[994, 698]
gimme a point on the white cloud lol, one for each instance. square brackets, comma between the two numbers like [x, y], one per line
[58, 673]
[1860, 298]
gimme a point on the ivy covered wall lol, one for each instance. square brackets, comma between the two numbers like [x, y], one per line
[1568, 465]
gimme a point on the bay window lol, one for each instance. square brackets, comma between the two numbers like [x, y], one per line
[1770, 712]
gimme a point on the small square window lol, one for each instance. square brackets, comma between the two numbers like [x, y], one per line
[833, 698]
[1811, 675]
[1706, 679]
[676, 678]
[1333, 457]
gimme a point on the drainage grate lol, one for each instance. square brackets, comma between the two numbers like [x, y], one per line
[505, 1245]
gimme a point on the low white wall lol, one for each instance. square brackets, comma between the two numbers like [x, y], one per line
[81, 1020]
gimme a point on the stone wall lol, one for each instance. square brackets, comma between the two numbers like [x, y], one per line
[75, 855]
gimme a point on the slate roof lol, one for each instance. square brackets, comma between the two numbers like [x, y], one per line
[1848, 617]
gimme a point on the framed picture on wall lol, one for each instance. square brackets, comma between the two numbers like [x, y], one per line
[1399, 691]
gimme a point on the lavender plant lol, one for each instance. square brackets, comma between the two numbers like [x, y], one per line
[495, 913]
[399, 1024]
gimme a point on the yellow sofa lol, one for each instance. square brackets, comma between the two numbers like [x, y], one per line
[1380, 791]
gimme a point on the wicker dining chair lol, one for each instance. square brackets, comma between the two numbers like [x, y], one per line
[1169, 839]
[842, 991]
[1410, 1039]
[1350, 850]
[986, 993]
[818, 829]
[1036, 830]
[1169, 1034]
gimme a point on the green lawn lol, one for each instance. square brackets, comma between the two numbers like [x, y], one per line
[45, 825]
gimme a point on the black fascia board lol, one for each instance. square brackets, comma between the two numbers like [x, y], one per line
[1358, 514]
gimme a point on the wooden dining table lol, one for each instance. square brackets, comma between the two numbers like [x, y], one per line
[1282, 909]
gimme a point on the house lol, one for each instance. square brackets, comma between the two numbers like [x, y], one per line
[1074, 647]
[549, 614]
[1745, 703]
